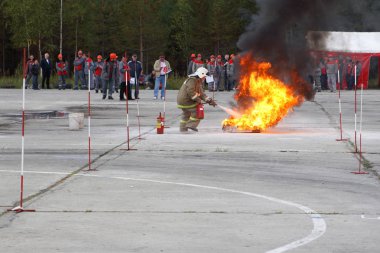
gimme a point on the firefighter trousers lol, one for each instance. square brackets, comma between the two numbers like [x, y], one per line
[189, 119]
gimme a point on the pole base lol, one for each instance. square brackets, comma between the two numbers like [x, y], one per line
[19, 209]
[128, 149]
[90, 170]
[359, 172]
[141, 138]
[341, 139]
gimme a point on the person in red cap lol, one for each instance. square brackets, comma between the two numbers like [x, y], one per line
[197, 63]
[219, 70]
[89, 70]
[79, 63]
[212, 70]
[109, 73]
[98, 65]
[125, 78]
[60, 65]
[231, 73]
[190, 65]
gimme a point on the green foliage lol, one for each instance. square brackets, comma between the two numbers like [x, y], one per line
[147, 27]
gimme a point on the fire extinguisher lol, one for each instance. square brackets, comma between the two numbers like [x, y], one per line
[200, 111]
[160, 124]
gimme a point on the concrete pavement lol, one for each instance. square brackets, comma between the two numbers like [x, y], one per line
[286, 189]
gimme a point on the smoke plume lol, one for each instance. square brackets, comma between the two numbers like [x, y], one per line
[278, 33]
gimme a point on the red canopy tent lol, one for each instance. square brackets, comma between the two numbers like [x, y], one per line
[359, 46]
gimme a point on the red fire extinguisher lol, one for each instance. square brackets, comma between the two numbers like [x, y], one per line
[200, 111]
[160, 124]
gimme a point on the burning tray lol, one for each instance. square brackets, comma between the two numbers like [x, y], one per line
[233, 129]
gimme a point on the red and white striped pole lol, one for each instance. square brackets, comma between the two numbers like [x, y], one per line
[340, 111]
[20, 207]
[360, 133]
[89, 119]
[127, 111]
[356, 146]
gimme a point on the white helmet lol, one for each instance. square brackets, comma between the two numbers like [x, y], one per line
[201, 72]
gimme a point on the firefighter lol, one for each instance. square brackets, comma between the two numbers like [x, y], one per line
[109, 76]
[189, 96]
[98, 73]
[62, 72]
[79, 63]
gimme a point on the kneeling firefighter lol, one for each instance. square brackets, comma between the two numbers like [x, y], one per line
[190, 98]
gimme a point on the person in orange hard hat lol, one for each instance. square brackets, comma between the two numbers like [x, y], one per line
[109, 73]
[60, 65]
[212, 70]
[98, 66]
[197, 63]
[79, 63]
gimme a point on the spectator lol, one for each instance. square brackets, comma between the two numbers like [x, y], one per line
[197, 63]
[125, 77]
[190, 65]
[161, 68]
[46, 71]
[323, 79]
[35, 70]
[136, 71]
[79, 63]
[89, 65]
[350, 74]
[224, 74]
[212, 70]
[109, 72]
[332, 70]
[28, 73]
[231, 73]
[61, 71]
[98, 66]
[219, 83]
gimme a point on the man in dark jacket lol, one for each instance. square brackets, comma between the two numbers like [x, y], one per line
[136, 71]
[46, 71]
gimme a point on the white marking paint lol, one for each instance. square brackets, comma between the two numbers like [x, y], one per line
[319, 224]
[373, 218]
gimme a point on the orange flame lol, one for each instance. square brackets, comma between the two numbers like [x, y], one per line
[263, 100]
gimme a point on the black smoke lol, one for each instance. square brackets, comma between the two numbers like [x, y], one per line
[278, 33]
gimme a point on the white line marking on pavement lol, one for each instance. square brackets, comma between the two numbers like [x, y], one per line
[319, 224]
[374, 218]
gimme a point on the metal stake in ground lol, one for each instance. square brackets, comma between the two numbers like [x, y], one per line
[20, 208]
[127, 112]
[360, 134]
[137, 103]
[340, 111]
[356, 146]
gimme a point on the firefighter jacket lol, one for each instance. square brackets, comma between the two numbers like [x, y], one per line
[110, 70]
[124, 68]
[79, 63]
[331, 67]
[191, 93]
[98, 68]
[231, 69]
[89, 64]
[190, 67]
[61, 68]
[196, 65]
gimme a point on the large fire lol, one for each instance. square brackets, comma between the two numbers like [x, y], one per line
[262, 100]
